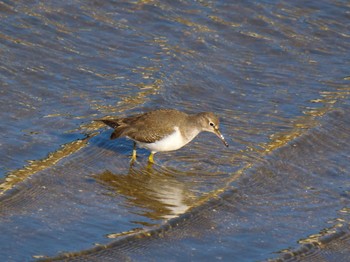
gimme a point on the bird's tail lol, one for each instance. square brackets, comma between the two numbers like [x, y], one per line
[119, 127]
[110, 122]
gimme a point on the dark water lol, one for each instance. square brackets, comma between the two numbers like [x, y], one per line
[276, 73]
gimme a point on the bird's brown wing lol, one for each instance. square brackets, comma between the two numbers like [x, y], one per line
[150, 127]
[147, 127]
[150, 135]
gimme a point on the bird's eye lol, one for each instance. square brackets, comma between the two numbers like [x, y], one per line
[211, 124]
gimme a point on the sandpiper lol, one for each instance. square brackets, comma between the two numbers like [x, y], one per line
[163, 129]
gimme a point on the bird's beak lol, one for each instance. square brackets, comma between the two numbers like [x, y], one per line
[217, 132]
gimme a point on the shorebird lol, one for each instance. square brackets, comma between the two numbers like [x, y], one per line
[163, 129]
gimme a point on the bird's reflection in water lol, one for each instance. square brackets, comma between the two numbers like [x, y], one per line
[156, 192]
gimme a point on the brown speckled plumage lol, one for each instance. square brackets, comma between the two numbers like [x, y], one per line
[154, 126]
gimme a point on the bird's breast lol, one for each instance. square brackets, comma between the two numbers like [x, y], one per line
[171, 142]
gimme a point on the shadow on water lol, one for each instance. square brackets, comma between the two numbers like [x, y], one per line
[156, 192]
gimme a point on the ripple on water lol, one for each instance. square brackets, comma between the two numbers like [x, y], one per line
[271, 72]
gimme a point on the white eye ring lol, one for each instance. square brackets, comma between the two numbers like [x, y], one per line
[211, 124]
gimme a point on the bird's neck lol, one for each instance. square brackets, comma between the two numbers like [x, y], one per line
[193, 127]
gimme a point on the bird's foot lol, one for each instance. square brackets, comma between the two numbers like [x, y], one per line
[133, 157]
[150, 158]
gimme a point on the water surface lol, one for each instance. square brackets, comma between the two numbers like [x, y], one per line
[276, 74]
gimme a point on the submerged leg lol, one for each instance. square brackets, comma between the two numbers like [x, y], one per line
[150, 158]
[133, 157]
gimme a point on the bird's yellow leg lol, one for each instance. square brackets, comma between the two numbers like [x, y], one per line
[150, 158]
[133, 157]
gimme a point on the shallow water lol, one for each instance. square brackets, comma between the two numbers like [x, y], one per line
[276, 74]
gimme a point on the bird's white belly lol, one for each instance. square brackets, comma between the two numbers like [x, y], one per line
[171, 142]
